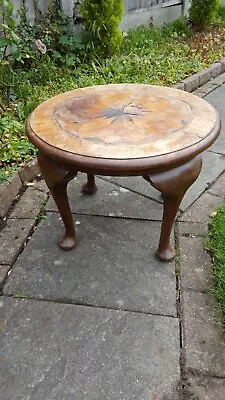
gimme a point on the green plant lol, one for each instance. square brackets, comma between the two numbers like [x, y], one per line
[221, 16]
[14, 147]
[217, 234]
[101, 19]
[203, 12]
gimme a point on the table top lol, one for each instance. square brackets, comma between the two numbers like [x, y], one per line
[124, 122]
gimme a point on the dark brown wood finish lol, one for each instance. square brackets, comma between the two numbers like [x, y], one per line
[123, 130]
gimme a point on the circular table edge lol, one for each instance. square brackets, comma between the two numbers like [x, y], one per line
[134, 166]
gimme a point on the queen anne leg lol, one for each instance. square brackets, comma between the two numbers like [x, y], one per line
[57, 179]
[89, 187]
[173, 185]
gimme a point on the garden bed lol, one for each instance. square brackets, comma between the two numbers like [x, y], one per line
[153, 56]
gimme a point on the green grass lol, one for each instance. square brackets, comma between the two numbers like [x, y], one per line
[148, 55]
[217, 247]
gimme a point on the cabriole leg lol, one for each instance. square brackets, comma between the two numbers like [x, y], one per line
[173, 185]
[57, 179]
[89, 187]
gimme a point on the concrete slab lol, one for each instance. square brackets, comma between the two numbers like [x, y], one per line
[216, 98]
[218, 188]
[195, 229]
[55, 352]
[213, 165]
[29, 171]
[195, 264]
[109, 200]
[12, 238]
[136, 184]
[41, 185]
[205, 388]
[8, 193]
[3, 273]
[205, 348]
[201, 210]
[112, 266]
[29, 204]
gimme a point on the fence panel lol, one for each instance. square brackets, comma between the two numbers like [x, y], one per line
[35, 8]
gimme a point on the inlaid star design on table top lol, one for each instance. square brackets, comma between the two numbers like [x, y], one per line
[127, 112]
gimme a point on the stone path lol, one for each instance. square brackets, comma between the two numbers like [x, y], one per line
[108, 321]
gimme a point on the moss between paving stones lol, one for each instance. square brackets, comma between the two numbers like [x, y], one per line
[217, 246]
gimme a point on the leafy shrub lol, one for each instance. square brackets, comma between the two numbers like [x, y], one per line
[203, 12]
[101, 19]
[14, 147]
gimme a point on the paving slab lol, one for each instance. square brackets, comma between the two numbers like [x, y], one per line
[218, 188]
[201, 210]
[205, 346]
[212, 167]
[216, 98]
[109, 200]
[29, 171]
[64, 352]
[29, 204]
[40, 185]
[8, 193]
[205, 388]
[195, 264]
[193, 229]
[113, 265]
[137, 184]
[12, 239]
[3, 273]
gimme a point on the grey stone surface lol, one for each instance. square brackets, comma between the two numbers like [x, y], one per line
[219, 80]
[201, 210]
[194, 229]
[205, 347]
[216, 69]
[218, 188]
[112, 266]
[66, 352]
[137, 185]
[4, 269]
[222, 60]
[113, 200]
[200, 92]
[8, 193]
[204, 76]
[29, 171]
[213, 165]
[208, 87]
[41, 185]
[29, 204]
[195, 264]
[12, 238]
[205, 388]
[179, 85]
[110, 200]
[216, 98]
[191, 83]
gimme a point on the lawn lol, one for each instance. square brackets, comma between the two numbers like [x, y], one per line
[217, 246]
[148, 55]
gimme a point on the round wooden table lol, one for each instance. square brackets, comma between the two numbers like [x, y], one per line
[123, 130]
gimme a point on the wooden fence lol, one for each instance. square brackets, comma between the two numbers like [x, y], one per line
[136, 12]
